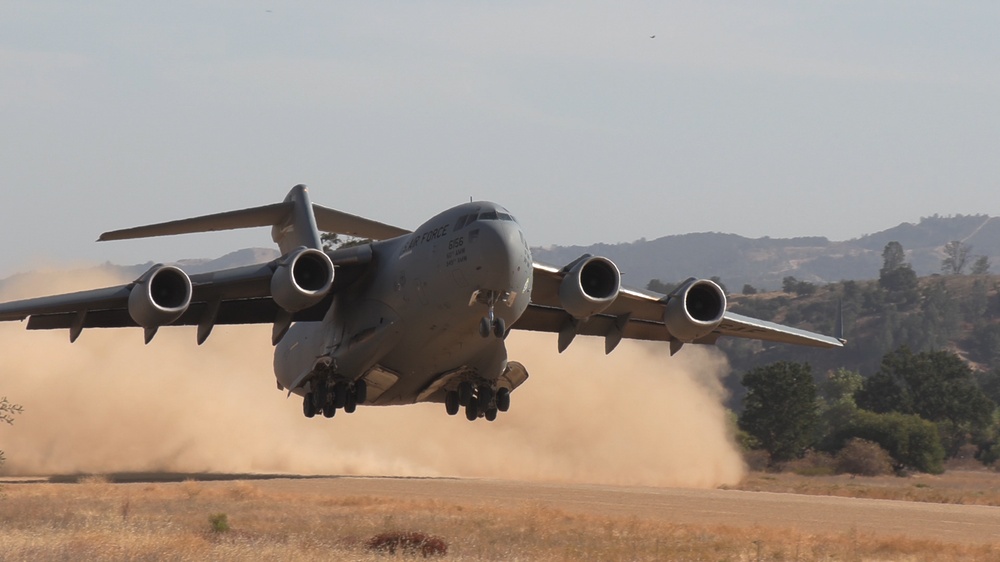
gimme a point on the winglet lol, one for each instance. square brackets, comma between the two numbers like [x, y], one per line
[839, 330]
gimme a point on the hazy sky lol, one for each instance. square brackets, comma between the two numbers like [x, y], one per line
[763, 119]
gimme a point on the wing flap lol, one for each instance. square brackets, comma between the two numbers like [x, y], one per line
[241, 311]
[70, 302]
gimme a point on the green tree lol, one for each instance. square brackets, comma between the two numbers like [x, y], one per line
[912, 442]
[749, 289]
[788, 284]
[333, 241]
[956, 257]
[938, 386]
[981, 266]
[893, 257]
[658, 286]
[896, 276]
[779, 409]
[836, 406]
[718, 281]
[7, 412]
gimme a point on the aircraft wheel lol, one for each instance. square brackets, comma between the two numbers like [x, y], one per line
[485, 397]
[308, 408]
[351, 404]
[464, 393]
[471, 412]
[491, 414]
[503, 399]
[340, 394]
[329, 411]
[451, 402]
[484, 327]
[499, 328]
[360, 391]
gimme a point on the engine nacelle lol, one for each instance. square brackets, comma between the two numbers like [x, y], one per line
[302, 279]
[694, 309]
[589, 287]
[160, 296]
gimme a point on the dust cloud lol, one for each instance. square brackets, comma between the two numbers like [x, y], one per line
[108, 403]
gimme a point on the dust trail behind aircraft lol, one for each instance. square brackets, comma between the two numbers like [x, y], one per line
[111, 404]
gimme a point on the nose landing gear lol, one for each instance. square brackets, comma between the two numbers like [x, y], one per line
[491, 323]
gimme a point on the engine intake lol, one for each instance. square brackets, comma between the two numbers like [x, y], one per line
[694, 309]
[302, 278]
[160, 296]
[590, 286]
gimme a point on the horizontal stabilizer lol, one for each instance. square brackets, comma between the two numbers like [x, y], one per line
[330, 220]
[267, 215]
[327, 220]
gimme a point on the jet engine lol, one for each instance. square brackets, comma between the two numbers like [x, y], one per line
[694, 309]
[302, 278]
[160, 296]
[590, 286]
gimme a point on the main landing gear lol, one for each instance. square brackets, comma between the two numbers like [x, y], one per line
[478, 400]
[326, 398]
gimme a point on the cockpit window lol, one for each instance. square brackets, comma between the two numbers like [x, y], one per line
[506, 217]
[461, 221]
[488, 216]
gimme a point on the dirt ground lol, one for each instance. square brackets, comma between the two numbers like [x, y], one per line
[177, 516]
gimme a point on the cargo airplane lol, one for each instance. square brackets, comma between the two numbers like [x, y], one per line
[406, 316]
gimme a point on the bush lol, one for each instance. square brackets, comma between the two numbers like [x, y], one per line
[813, 463]
[219, 522]
[757, 460]
[408, 543]
[912, 441]
[862, 457]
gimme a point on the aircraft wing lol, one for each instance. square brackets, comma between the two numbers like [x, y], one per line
[298, 286]
[241, 295]
[637, 314]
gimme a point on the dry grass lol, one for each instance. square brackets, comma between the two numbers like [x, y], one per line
[99, 520]
[964, 487]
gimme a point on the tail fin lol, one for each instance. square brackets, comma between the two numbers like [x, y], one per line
[295, 222]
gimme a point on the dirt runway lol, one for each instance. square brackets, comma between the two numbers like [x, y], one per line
[808, 514]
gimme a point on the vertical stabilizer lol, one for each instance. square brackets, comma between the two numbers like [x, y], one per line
[298, 227]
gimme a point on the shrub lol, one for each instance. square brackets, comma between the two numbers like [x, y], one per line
[219, 522]
[863, 457]
[813, 463]
[757, 459]
[912, 441]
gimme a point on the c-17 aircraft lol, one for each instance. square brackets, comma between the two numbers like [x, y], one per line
[408, 317]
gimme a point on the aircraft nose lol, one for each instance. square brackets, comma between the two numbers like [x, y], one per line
[506, 256]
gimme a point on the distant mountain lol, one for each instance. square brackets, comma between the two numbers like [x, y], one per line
[239, 258]
[736, 260]
[764, 262]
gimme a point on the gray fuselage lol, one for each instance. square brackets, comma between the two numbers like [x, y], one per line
[414, 317]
